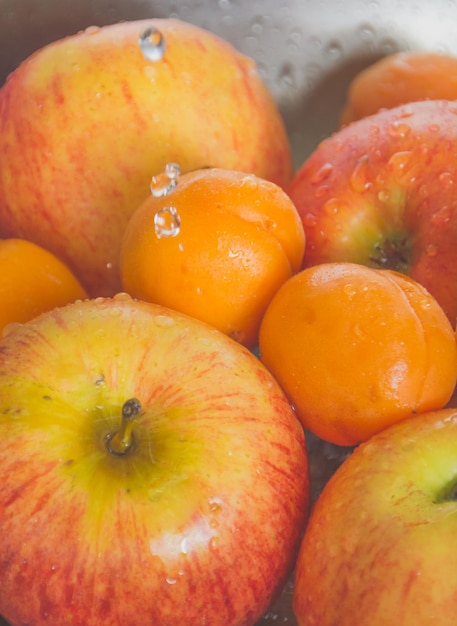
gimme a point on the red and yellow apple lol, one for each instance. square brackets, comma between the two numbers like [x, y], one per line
[151, 472]
[379, 546]
[383, 192]
[86, 121]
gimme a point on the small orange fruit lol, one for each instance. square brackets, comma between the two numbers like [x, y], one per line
[217, 247]
[32, 281]
[400, 78]
[357, 349]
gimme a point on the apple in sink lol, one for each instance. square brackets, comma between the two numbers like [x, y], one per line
[382, 192]
[151, 471]
[88, 120]
[379, 547]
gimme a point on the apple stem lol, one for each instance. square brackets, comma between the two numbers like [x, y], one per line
[121, 441]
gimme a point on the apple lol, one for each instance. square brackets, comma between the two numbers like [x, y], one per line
[382, 192]
[151, 471]
[88, 120]
[379, 546]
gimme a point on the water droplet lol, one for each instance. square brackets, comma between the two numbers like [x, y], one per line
[331, 207]
[215, 505]
[399, 130]
[358, 332]
[431, 249]
[213, 542]
[92, 30]
[358, 180]
[334, 49]
[167, 222]
[152, 44]
[162, 184]
[122, 296]
[399, 160]
[184, 548]
[442, 216]
[349, 290]
[309, 220]
[109, 265]
[287, 76]
[163, 321]
[426, 303]
[171, 581]
[446, 179]
[321, 174]
[383, 196]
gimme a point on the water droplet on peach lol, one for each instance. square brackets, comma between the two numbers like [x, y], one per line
[349, 290]
[167, 222]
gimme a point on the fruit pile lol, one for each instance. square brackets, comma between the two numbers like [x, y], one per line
[181, 313]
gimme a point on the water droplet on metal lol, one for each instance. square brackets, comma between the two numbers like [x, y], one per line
[334, 49]
[167, 222]
[162, 184]
[152, 44]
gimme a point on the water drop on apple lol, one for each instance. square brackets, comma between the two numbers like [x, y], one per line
[399, 130]
[358, 179]
[321, 174]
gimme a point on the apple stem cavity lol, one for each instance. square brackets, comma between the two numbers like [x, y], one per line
[393, 254]
[120, 442]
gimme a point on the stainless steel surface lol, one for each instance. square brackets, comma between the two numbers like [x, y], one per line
[307, 51]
